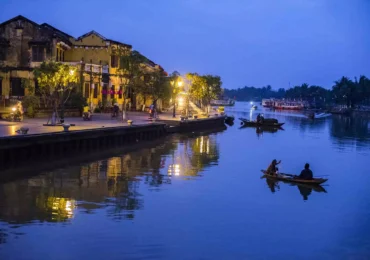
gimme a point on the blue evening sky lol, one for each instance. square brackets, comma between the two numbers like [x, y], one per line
[246, 42]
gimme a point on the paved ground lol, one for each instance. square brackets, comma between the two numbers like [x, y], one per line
[99, 120]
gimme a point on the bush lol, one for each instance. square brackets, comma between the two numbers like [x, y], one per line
[104, 103]
[30, 112]
[97, 110]
[77, 100]
[30, 103]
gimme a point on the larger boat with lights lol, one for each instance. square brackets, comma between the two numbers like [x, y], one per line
[284, 104]
[221, 102]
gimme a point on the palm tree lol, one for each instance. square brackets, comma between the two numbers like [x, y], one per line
[344, 91]
[364, 88]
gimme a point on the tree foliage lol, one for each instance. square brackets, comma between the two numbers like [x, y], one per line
[204, 88]
[345, 91]
[55, 81]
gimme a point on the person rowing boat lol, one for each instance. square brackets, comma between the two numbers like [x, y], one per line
[272, 169]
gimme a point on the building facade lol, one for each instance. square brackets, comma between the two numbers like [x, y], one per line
[25, 44]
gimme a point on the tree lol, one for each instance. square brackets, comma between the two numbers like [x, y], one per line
[363, 89]
[158, 86]
[344, 91]
[197, 85]
[213, 87]
[204, 88]
[129, 69]
[56, 81]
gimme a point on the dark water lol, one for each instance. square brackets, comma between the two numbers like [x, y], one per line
[201, 196]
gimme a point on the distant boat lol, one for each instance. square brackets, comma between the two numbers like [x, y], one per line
[268, 122]
[318, 115]
[221, 102]
[284, 104]
[267, 102]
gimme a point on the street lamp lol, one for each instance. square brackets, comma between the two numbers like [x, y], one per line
[179, 83]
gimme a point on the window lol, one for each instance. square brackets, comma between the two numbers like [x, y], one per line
[1, 86]
[2, 53]
[112, 92]
[114, 61]
[87, 90]
[120, 92]
[96, 89]
[62, 55]
[37, 53]
[146, 78]
[37, 88]
[105, 91]
[130, 93]
[16, 87]
[57, 55]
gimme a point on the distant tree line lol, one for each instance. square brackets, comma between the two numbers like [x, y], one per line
[345, 92]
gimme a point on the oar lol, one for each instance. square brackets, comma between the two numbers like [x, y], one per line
[292, 175]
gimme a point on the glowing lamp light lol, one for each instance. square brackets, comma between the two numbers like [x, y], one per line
[251, 102]
[174, 169]
[181, 101]
[180, 83]
[14, 109]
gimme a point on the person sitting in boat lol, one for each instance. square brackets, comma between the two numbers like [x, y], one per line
[306, 174]
[272, 169]
[260, 118]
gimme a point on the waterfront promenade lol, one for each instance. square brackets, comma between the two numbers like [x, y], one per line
[99, 120]
[36, 125]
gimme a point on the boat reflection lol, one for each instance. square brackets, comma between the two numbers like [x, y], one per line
[304, 189]
[263, 129]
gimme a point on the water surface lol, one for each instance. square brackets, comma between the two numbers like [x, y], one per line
[201, 196]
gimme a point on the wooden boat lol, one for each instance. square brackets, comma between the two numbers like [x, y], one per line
[229, 120]
[293, 178]
[266, 123]
[315, 187]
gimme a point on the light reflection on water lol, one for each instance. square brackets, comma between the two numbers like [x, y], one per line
[201, 195]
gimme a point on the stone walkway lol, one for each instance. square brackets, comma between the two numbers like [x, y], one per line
[36, 125]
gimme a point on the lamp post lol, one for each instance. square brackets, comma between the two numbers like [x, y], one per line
[179, 83]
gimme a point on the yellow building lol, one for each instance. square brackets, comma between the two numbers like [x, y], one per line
[25, 44]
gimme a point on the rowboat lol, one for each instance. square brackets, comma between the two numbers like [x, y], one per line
[266, 123]
[293, 178]
[314, 187]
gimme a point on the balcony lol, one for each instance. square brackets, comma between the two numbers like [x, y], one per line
[96, 68]
[88, 67]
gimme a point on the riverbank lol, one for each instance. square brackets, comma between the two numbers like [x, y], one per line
[50, 143]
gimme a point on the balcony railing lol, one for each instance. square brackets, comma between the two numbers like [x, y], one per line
[88, 67]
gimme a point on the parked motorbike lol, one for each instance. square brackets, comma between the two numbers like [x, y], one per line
[86, 116]
[15, 115]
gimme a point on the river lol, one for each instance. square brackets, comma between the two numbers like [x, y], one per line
[201, 196]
